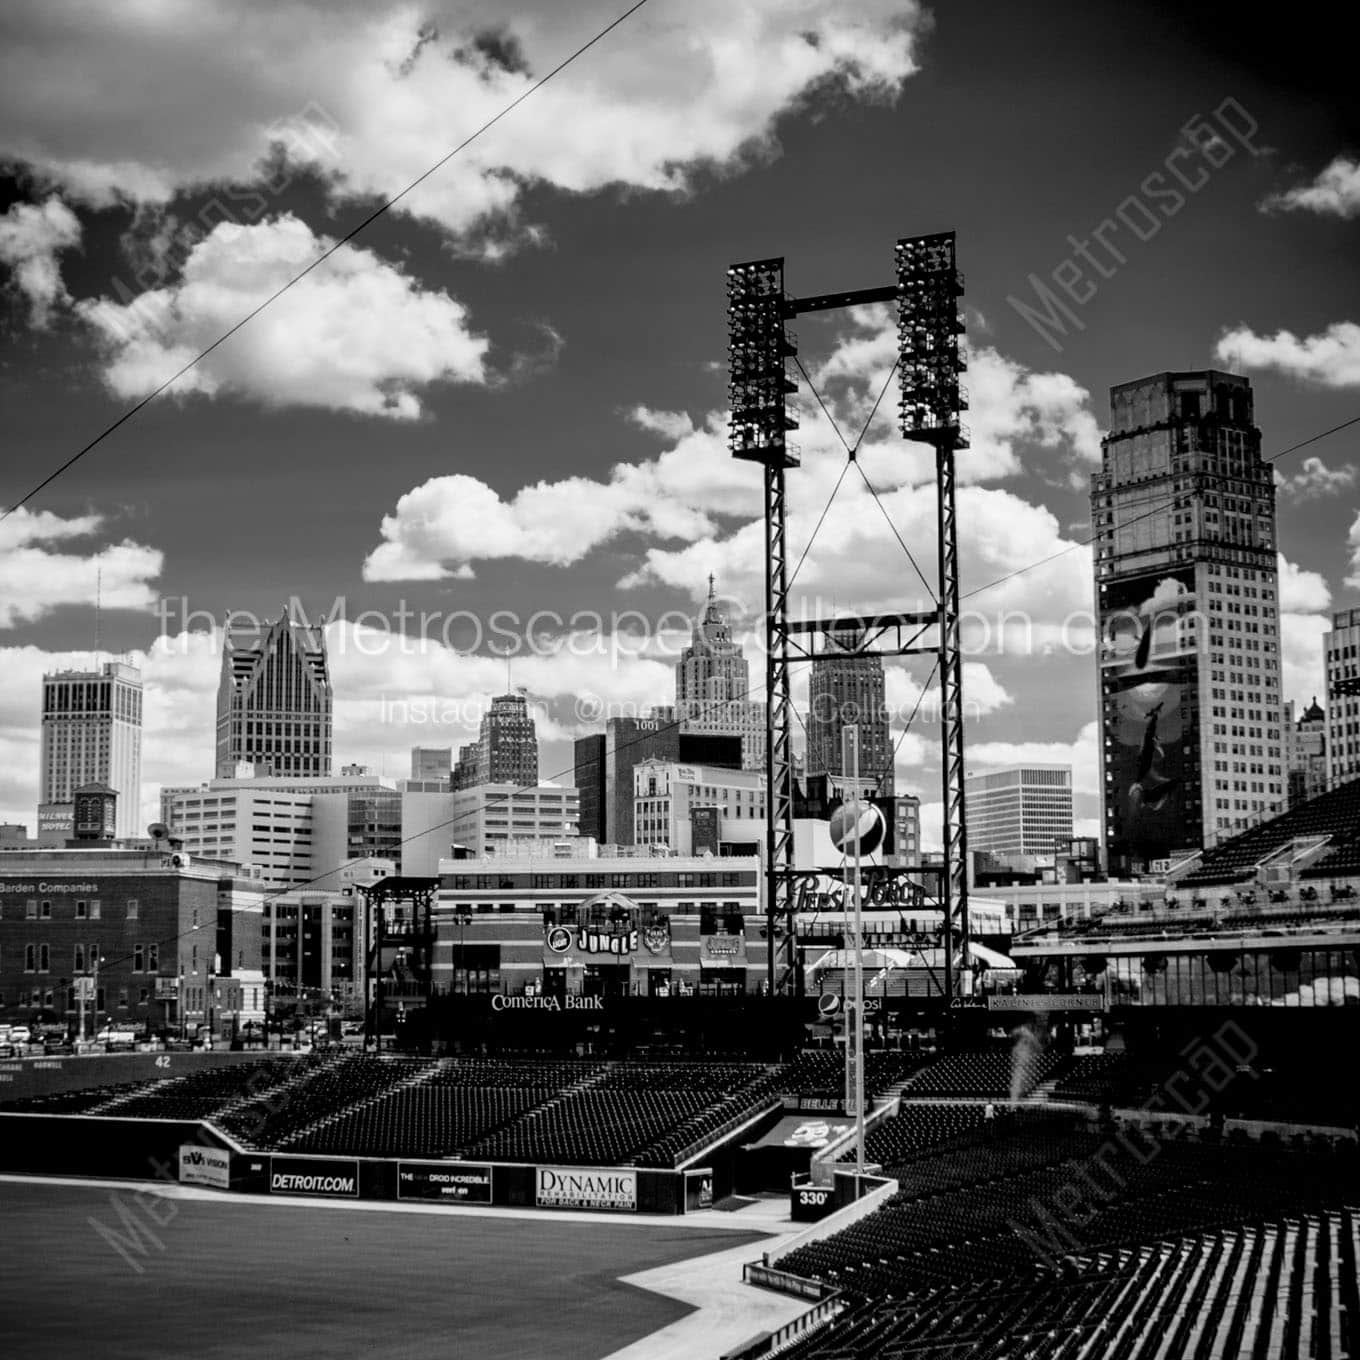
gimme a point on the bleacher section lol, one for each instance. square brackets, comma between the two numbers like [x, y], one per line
[1001, 1074]
[1334, 814]
[992, 1213]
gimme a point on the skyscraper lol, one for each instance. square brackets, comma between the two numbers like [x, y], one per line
[91, 734]
[274, 699]
[713, 685]
[506, 749]
[1305, 752]
[847, 689]
[1019, 811]
[1343, 698]
[1188, 605]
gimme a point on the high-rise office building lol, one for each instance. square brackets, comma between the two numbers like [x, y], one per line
[1342, 650]
[506, 749]
[1305, 752]
[588, 753]
[1188, 606]
[713, 685]
[91, 734]
[274, 699]
[846, 689]
[1020, 811]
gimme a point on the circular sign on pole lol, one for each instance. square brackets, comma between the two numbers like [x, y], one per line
[828, 1003]
[870, 830]
[559, 939]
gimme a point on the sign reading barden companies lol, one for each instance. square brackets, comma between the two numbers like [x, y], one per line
[313, 1176]
[200, 1165]
[586, 1187]
[444, 1181]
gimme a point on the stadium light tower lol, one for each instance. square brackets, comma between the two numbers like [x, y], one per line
[929, 286]
[926, 292]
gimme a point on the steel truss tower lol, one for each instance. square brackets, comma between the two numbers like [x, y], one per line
[926, 292]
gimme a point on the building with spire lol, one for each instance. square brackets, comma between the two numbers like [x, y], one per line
[713, 687]
[1305, 752]
[274, 700]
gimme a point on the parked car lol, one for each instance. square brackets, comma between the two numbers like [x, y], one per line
[117, 1036]
[20, 1036]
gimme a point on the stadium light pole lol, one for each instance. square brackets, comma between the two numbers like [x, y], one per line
[855, 1029]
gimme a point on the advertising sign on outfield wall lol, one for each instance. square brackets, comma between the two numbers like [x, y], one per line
[200, 1165]
[314, 1176]
[447, 1181]
[586, 1187]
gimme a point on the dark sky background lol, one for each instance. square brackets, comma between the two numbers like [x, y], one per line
[1024, 124]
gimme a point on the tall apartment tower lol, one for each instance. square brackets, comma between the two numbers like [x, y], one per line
[507, 746]
[1342, 646]
[1188, 604]
[274, 701]
[92, 734]
[846, 689]
[713, 684]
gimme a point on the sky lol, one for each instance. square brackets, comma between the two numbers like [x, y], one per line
[495, 419]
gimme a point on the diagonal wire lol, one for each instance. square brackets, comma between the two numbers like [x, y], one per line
[878, 502]
[320, 259]
[831, 420]
[821, 520]
[1146, 514]
[882, 392]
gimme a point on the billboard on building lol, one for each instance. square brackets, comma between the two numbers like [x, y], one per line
[1149, 693]
[704, 830]
[56, 823]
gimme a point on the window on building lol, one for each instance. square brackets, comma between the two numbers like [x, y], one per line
[31, 909]
[82, 909]
[30, 958]
[133, 908]
[94, 909]
[153, 958]
[44, 959]
[45, 911]
[138, 959]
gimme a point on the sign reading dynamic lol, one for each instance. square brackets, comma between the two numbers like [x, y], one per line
[313, 1176]
[464, 1184]
[586, 1187]
[200, 1165]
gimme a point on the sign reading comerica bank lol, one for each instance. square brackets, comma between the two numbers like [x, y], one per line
[586, 1187]
[313, 1176]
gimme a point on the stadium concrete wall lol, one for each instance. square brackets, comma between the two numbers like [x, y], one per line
[106, 1147]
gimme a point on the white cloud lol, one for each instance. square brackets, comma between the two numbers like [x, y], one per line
[1301, 591]
[32, 235]
[1302, 664]
[1082, 755]
[355, 335]
[1334, 193]
[1330, 359]
[36, 578]
[1353, 544]
[1315, 480]
[695, 489]
[371, 94]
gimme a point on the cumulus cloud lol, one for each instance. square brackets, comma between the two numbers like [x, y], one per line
[1315, 480]
[694, 490]
[1302, 663]
[1329, 359]
[1353, 544]
[372, 95]
[32, 236]
[1301, 591]
[37, 577]
[356, 334]
[1082, 755]
[1335, 192]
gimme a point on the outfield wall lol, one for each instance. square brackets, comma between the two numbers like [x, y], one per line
[150, 1149]
[23, 1077]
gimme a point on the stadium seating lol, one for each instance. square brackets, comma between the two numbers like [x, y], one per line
[1335, 814]
[1008, 1074]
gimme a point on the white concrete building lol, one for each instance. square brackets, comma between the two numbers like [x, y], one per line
[667, 795]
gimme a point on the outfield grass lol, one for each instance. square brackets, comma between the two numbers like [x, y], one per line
[244, 1277]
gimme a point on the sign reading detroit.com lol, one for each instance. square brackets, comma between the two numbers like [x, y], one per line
[313, 1176]
[586, 1187]
[200, 1165]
